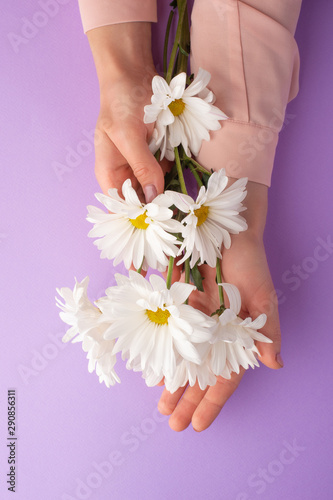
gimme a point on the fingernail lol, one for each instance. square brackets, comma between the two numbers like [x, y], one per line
[150, 192]
[279, 360]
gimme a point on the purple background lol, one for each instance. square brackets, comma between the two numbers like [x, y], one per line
[67, 422]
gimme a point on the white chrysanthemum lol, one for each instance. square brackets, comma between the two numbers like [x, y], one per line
[233, 343]
[151, 377]
[77, 310]
[160, 140]
[154, 329]
[191, 373]
[99, 354]
[87, 326]
[186, 372]
[182, 116]
[211, 218]
[134, 231]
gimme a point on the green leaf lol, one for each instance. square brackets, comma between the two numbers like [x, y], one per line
[190, 78]
[196, 278]
[171, 180]
[205, 178]
[219, 311]
[183, 51]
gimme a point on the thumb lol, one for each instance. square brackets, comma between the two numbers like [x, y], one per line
[145, 167]
[270, 353]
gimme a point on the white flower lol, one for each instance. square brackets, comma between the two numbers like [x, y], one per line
[134, 231]
[99, 354]
[154, 329]
[160, 140]
[211, 218]
[151, 377]
[233, 343]
[191, 373]
[87, 326]
[226, 358]
[77, 310]
[181, 115]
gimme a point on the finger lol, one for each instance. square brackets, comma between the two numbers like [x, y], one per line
[168, 401]
[182, 415]
[145, 167]
[270, 353]
[214, 400]
[111, 168]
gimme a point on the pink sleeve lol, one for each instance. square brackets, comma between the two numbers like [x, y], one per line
[96, 13]
[250, 51]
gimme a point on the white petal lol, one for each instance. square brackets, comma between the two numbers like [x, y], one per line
[166, 117]
[178, 83]
[199, 83]
[234, 297]
[160, 86]
[157, 282]
[181, 291]
[259, 322]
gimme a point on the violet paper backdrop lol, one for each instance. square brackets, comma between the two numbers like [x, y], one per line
[76, 438]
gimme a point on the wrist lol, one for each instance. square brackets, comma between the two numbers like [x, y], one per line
[120, 49]
[256, 203]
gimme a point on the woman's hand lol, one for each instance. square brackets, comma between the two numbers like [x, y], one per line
[122, 55]
[244, 265]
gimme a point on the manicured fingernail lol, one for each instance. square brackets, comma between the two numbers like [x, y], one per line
[150, 192]
[279, 360]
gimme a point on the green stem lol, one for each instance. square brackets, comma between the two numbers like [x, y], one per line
[169, 275]
[196, 175]
[181, 4]
[219, 280]
[166, 43]
[180, 171]
[197, 165]
[184, 45]
[187, 271]
[140, 268]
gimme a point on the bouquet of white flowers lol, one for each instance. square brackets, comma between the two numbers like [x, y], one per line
[151, 323]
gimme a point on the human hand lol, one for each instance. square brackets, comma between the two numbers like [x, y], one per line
[122, 55]
[244, 265]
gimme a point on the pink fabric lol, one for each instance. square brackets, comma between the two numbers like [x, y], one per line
[250, 51]
[97, 13]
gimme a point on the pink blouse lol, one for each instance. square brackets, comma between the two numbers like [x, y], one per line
[250, 51]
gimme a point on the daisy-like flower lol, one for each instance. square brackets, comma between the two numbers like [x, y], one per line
[154, 329]
[77, 311]
[233, 343]
[191, 373]
[151, 377]
[134, 232]
[99, 354]
[87, 326]
[182, 115]
[228, 358]
[211, 218]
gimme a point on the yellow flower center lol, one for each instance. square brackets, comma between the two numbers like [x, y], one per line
[202, 214]
[177, 107]
[160, 317]
[140, 221]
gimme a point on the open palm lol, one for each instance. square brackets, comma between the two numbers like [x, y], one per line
[245, 266]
